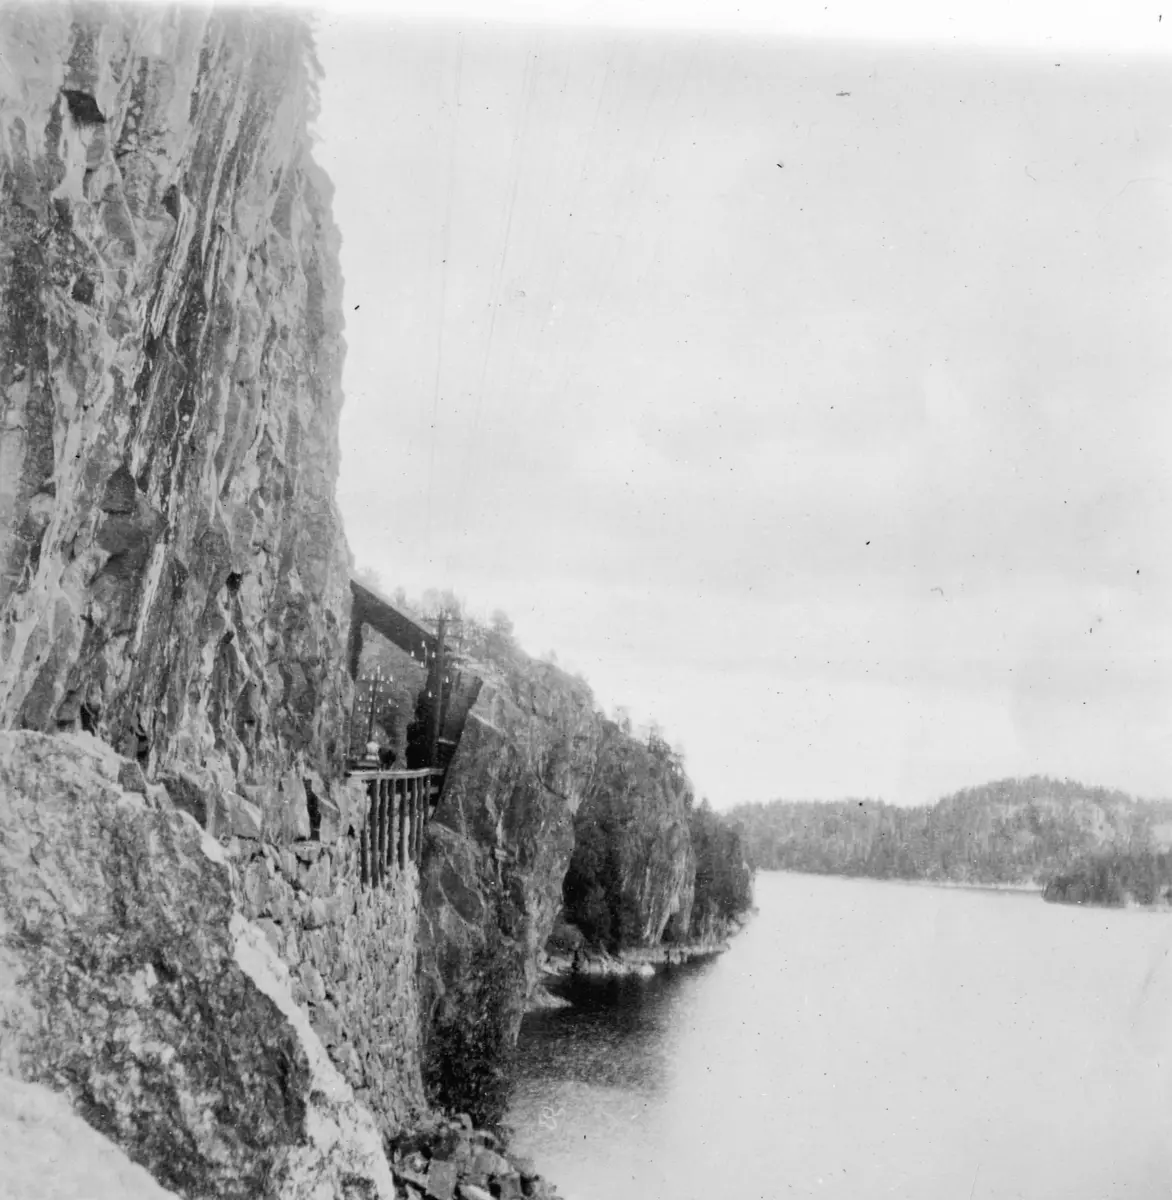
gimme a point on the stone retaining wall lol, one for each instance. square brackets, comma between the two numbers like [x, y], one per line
[351, 953]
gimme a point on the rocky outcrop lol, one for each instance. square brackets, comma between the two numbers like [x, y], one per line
[635, 818]
[50, 1153]
[173, 574]
[539, 779]
[130, 983]
[500, 839]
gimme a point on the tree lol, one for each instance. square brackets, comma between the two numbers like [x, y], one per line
[500, 624]
[369, 578]
[470, 1042]
[443, 602]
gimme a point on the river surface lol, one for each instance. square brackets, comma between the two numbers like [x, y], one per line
[864, 1039]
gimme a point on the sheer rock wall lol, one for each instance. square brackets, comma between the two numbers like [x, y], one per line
[173, 574]
[174, 581]
[500, 839]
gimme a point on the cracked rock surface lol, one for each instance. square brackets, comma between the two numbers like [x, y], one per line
[173, 573]
[131, 985]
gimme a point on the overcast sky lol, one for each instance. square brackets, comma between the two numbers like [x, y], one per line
[809, 395]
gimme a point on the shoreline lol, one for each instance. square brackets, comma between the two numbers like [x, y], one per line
[635, 961]
[954, 884]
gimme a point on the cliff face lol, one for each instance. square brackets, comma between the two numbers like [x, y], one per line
[537, 775]
[130, 983]
[172, 566]
[645, 792]
[174, 582]
[500, 840]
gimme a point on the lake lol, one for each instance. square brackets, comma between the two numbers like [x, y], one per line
[864, 1039]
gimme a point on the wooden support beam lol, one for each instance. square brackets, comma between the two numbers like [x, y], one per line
[404, 823]
[392, 822]
[374, 833]
[420, 817]
[364, 842]
[393, 813]
[382, 831]
[424, 789]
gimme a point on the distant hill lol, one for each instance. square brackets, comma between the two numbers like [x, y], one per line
[1013, 831]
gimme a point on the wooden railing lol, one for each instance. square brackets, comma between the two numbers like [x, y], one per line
[400, 805]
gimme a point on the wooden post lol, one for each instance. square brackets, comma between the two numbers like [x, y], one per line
[364, 843]
[389, 847]
[438, 693]
[393, 820]
[382, 831]
[403, 825]
[373, 840]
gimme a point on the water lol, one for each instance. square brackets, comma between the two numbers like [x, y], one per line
[866, 1039]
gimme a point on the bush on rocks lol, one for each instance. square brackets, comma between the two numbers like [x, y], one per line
[470, 1044]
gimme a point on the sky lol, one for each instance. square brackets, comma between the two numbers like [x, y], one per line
[804, 385]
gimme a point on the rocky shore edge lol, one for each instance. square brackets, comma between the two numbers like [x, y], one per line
[445, 1158]
[644, 961]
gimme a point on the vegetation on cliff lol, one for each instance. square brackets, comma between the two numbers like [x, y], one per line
[470, 1045]
[1013, 831]
[724, 879]
[649, 864]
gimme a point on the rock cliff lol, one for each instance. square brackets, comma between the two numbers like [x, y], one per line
[174, 582]
[633, 870]
[173, 572]
[130, 983]
[539, 780]
[500, 839]
[187, 950]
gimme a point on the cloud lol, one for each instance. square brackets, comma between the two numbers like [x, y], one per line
[854, 475]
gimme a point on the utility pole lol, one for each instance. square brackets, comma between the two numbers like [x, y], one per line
[438, 694]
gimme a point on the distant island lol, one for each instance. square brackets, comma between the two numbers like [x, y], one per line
[1074, 843]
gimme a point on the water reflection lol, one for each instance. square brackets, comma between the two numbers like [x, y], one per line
[616, 1034]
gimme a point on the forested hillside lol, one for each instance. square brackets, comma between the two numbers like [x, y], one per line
[1013, 831]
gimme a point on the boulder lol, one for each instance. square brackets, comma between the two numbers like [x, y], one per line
[130, 984]
[441, 1179]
